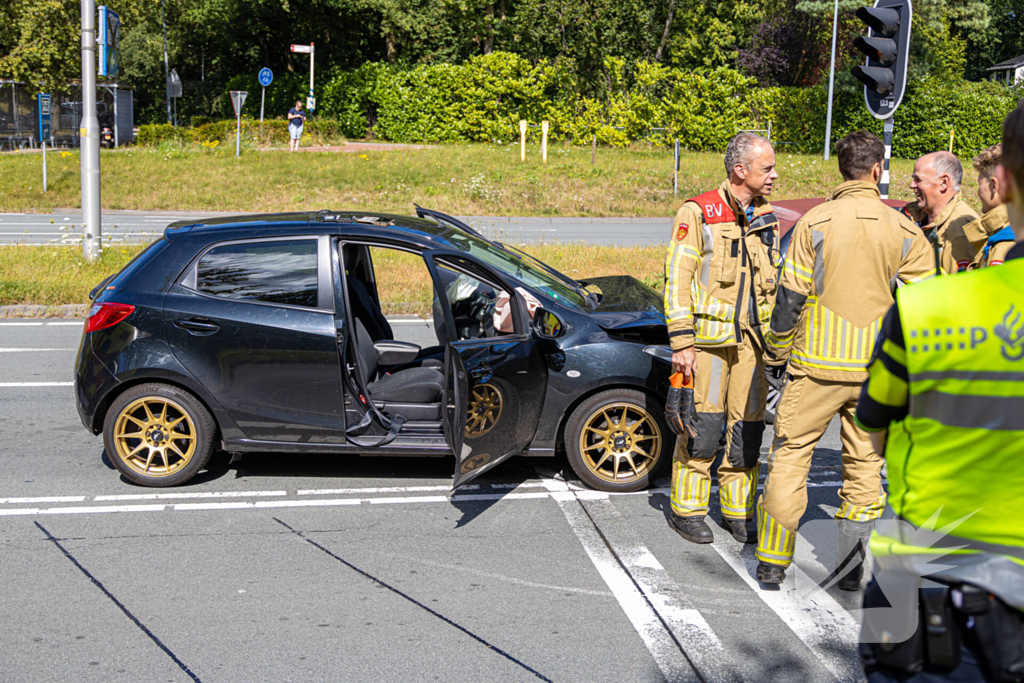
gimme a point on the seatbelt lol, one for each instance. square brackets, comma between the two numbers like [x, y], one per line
[392, 424]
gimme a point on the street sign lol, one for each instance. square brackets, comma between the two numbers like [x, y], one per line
[109, 41]
[311, 103]
[302, 48]
[237, 100]
[44, 117]
[266, 77]
[175, 84]
[887, 46]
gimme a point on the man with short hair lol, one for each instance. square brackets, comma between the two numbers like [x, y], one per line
[991, 235]
[720, 279]
[943, 403]
[296, 122]
[846, 258]
[940, 210]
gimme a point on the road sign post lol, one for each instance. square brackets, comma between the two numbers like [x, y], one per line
[884, 74]
[266, 77]
[237, 100]
[175, 93]
[308, 49]
[89, 139]
[44, 127]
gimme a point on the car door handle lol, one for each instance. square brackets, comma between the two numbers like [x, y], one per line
[196, 327]
[483, 370]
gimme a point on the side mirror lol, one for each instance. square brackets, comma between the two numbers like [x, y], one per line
[547, 325]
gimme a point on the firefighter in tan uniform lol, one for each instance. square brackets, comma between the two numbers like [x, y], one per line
[846, 258]
[991, 235]
[720, 280]
[940, 211]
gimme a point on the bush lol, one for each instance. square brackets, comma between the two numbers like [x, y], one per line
[484, 98]
[316, 132]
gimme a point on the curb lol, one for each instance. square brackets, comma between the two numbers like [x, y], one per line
[32, 311]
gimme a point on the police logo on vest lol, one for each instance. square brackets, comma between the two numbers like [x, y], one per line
[1011, 333]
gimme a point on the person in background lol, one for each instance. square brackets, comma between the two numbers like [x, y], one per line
[991, 235]
[296, 120]
[944, 403]
[940, 210]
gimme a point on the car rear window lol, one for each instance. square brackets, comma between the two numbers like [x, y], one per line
[278, 272]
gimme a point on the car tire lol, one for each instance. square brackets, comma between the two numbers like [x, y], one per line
[158, 435]
[615, 426]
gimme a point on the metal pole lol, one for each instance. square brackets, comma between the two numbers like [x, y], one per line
[831, 82]
[238, 134]
[263, 98]
[883, 185]
[310, 78]
[675, 172]
[44, 165]
[167, 72]
[90, 139]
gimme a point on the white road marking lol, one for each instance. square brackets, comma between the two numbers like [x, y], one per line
[413, 489]
[45, 499]
[828, 630]
[209, 494]
[32, 350]
[20, 324]
[37, 384]
[656, 637]
[658, 595]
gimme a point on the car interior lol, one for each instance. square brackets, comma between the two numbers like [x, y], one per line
[401, 377]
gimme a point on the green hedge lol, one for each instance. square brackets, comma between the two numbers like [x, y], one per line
[315, 132]
[484, 98]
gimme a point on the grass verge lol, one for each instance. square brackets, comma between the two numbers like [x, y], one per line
[57, 275]
[477, 179]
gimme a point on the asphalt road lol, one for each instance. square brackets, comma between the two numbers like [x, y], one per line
[65, 227]
[301, 568]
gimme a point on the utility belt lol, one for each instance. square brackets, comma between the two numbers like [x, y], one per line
[949, 616]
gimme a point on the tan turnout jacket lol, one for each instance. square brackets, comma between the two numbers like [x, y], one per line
[979, 233]
[845, 260]
[953, 251]
[716, 259]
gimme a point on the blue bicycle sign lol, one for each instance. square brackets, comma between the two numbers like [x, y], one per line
[266, 76]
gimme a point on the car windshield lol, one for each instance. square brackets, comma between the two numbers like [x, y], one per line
[519, 267]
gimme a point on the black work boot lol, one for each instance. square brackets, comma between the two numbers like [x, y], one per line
[770, 573]
[853, 540]
[743, 530]
[851, 582]
[693, 529]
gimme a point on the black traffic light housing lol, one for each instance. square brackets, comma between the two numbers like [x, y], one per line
[887, 47]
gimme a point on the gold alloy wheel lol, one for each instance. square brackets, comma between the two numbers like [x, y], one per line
[484, 410]
[620, 442]
[154, 436]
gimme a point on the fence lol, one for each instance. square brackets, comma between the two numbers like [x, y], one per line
[19, 115]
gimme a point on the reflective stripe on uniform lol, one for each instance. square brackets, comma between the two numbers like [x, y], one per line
[861, 513]
[775, 543]
[691, 493]
[737, 498]
[1000, 413]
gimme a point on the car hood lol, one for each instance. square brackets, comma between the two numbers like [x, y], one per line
[627, 304]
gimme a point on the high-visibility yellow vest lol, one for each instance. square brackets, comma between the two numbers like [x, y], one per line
[958, 457]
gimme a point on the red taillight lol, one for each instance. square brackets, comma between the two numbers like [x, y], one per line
[102, 316]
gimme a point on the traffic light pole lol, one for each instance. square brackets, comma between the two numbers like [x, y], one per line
[89, 138]
[883, 185]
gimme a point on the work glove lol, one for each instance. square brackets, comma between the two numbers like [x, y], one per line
[776, 376]
[679, 407]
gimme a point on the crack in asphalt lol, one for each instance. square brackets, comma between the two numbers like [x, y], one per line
[414, 601]
[152, 636]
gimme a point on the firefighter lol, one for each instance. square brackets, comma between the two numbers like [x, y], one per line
[991, 235]
[720, 279]
[944, 403]
[940, 211]
[845, 259]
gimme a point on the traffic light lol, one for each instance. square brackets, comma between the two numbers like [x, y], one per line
[887, 47]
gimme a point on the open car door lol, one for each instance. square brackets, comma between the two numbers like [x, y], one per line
[496, 377]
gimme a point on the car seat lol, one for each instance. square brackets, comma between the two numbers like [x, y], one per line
[408, 385]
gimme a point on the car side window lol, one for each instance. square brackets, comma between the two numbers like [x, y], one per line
[273, 272]
[479, 310]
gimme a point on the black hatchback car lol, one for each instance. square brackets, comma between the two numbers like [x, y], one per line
[267, 334]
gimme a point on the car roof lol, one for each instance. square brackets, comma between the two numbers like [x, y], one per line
[395, 224]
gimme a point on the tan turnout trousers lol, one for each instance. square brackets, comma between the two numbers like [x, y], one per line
[805, 409]
[729, 391]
